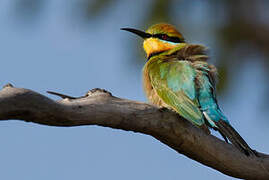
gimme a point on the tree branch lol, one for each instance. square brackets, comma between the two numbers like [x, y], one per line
[99, 107]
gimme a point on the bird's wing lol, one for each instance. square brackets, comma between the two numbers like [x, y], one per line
[211, 110]
[174, 82]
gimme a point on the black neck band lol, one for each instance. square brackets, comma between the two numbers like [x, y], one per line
[154, 54]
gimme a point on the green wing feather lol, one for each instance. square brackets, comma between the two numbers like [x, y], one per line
[174, 83]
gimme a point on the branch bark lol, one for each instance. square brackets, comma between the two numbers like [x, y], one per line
[99, 107]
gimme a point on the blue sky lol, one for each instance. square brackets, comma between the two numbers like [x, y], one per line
[59, 54]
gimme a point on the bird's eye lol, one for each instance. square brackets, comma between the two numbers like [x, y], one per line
[164, 37]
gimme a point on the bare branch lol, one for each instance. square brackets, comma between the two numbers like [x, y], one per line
[99, 107]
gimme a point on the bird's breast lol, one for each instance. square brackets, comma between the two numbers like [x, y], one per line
[150, 92]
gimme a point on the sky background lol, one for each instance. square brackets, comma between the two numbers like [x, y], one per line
[69, 47]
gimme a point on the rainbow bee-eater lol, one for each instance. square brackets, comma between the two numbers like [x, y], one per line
[177, 76]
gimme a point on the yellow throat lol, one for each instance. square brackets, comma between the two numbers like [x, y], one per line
[154, 45]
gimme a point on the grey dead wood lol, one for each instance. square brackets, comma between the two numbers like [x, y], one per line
[99, 107]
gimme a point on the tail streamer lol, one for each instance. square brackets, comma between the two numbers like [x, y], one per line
[228, 131]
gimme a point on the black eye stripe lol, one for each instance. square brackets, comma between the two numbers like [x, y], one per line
[168, 38]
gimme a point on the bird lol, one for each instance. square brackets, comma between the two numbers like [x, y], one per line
[177, 76]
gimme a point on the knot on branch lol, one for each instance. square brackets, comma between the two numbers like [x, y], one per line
[96, 91]
[8, 85]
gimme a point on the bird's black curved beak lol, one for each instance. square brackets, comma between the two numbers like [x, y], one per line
[142, 34]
